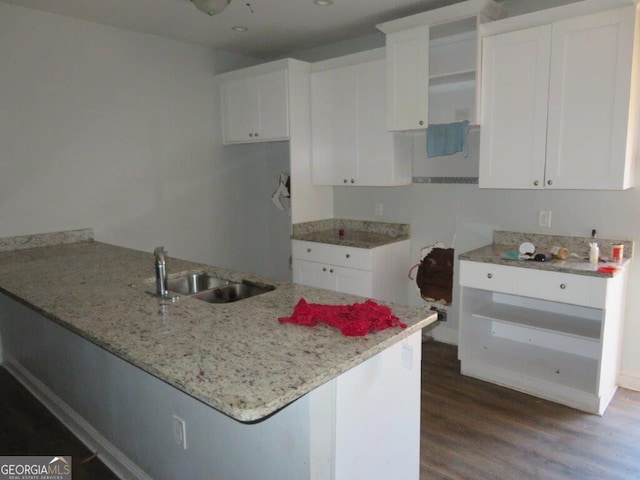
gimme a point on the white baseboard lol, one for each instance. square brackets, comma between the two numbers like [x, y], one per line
[629, 380]
[112, 457]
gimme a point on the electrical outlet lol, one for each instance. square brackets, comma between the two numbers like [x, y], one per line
[544, 218]
[179, 432]
[377, 209]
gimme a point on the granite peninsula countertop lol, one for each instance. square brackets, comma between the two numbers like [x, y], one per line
[235, 357]
[578, 263]
[356, 233]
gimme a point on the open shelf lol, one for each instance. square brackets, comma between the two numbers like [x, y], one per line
[562, 348]
[541, 320]
[534, 362]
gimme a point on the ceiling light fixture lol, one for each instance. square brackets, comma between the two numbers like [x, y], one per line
[239, 28]
[323, 3]
[211, 7]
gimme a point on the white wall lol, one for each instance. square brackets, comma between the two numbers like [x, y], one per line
[119, 131]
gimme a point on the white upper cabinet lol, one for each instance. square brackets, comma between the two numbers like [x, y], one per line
[255, 108]
[558, 108]
[432, 59]
[515, 85]
[334, 126]
[407, 95]
[589, 101]
[350, 142]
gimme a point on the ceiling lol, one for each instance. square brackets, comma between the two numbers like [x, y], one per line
[276, 27]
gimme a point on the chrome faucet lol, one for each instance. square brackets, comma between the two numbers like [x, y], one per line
[161, 271]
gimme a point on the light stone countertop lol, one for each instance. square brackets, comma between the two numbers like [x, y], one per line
[235, 357]
[356, 233]
[495, 254]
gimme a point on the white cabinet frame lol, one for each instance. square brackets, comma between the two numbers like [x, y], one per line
[550, 334]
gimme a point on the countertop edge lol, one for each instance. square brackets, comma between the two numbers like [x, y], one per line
[253, 415]
[254, 411]
[246, 415]
[21, 242]
[332, 237]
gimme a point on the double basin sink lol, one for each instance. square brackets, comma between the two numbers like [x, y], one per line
[209, 288]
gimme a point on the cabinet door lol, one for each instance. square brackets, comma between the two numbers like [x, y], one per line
[332, 277]
[334, 126]
[589, 100]
[272, 110]
[255, 108]
[379, 399]
[239, 104]
[384, 158]
[407, 79]
[514, 92]
[313, 274]
[352, 281]
[350, 141]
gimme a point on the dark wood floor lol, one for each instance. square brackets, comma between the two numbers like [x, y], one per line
[475, 430]
[470, 430]
[27, 428]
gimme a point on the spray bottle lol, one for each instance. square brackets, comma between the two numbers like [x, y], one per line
[594, 252]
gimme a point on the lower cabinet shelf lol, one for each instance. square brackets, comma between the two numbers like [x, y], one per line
[551, 322]
[533, 364]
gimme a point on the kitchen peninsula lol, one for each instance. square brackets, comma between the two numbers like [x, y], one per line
[189, 389]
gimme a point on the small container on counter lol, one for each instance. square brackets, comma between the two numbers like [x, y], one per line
[560, 253]
[594, 252]
[617, 252]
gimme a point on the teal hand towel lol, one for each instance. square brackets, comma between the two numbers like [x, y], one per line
[447, 139]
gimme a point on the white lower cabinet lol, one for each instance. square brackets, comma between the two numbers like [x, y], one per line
[365, 424]
[550, 334]
[332, 277]
[378, 273]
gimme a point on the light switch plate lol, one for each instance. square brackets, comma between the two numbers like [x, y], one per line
[544, 218]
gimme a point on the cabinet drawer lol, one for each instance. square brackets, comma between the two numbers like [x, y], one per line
[349, 257]
[311, 251]
[574, 289]
[554, 286]
[496, 278]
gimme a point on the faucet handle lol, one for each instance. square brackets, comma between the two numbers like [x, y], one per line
[160, 254]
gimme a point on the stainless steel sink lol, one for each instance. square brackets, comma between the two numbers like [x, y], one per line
[209, 288]
[195, 282]
[233, 292]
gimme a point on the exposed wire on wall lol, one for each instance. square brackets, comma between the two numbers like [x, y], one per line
[283, 191]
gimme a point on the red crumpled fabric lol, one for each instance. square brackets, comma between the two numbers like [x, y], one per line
[353, 320]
